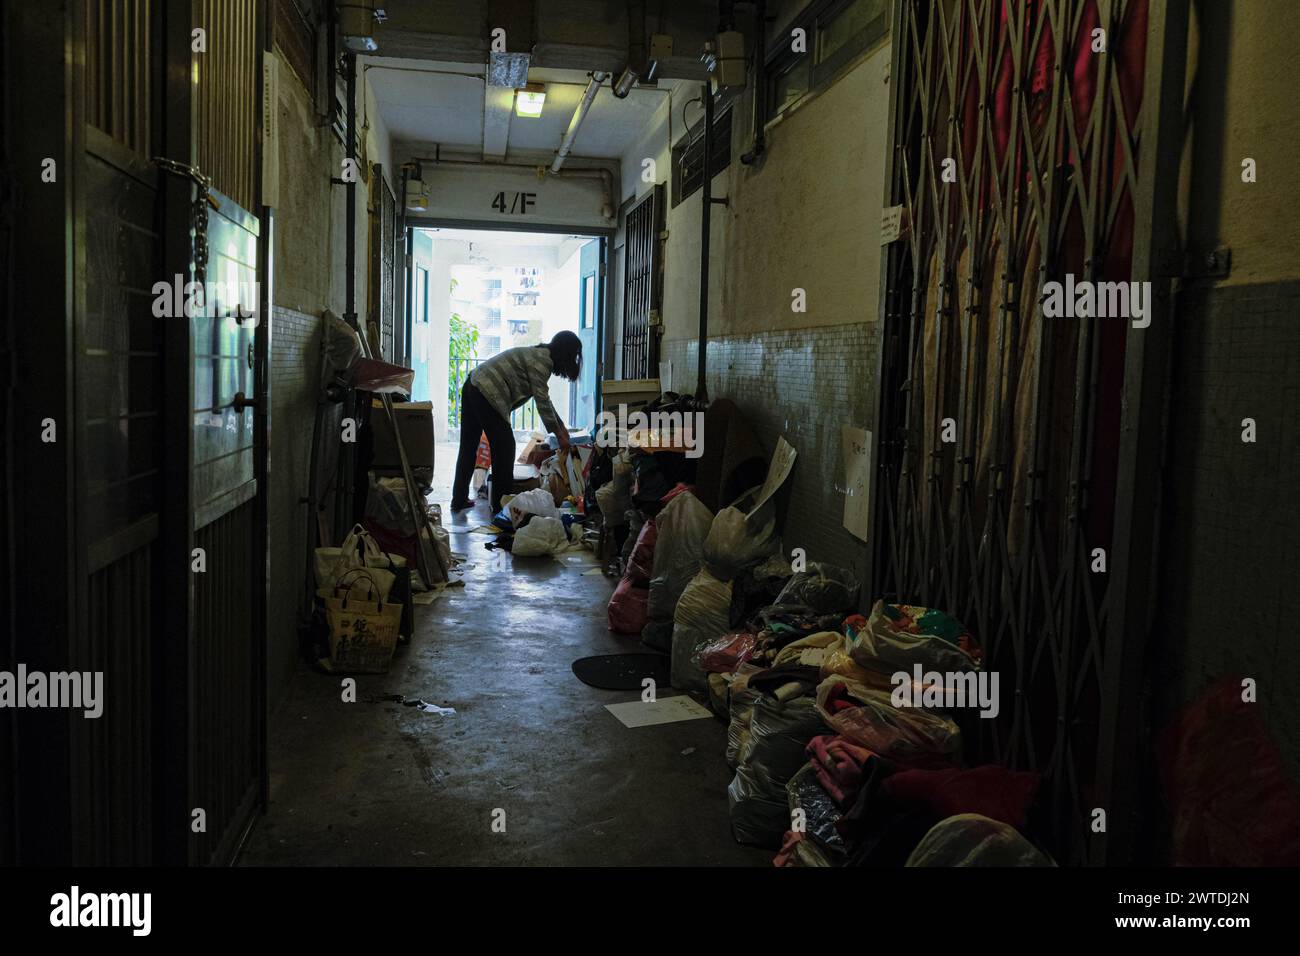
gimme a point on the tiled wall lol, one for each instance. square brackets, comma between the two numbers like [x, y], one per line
[295, 371]
[1230, 595]
[803, 385]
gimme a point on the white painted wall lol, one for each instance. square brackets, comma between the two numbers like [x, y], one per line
[798, 220]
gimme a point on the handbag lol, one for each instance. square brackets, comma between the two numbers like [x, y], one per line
[359, 550]
[362, 629]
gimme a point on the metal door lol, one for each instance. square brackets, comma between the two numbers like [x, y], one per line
[116, 367]
[1014, 450]
[117, 97]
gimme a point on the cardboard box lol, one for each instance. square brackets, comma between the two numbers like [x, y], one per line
[415, 421]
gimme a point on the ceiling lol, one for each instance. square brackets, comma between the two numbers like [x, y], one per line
[429, 101]
[501, 237]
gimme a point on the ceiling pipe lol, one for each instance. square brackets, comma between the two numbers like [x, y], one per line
[579, 114]
[606, 186]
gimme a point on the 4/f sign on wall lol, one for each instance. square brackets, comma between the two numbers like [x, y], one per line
[514, 202]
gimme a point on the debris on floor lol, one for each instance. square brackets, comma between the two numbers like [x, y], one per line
[427, 708]
[664, 710]
[418, 703]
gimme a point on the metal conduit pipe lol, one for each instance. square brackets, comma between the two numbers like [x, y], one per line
[579, 114]
[760, 86]
[706, 214]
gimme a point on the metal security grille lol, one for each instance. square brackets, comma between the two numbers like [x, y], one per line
[226, 106]
[119, 71]
[115, 751]
[1017, 159]
[225, 762]
[640, 287]
[383, 258]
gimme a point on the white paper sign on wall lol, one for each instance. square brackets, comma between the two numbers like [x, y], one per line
[891, 225]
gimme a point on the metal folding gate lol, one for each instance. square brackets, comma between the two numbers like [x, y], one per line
[641, 287]
[1015, 452]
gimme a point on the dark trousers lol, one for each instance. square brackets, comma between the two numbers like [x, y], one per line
[476, 417]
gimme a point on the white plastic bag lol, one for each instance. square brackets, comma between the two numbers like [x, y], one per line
[535, 501]
[359, 550]
[969, 839]
[910, 736]
[701, 616]
[542, 535]
[682, 527]
[882, 646]
[740, 538]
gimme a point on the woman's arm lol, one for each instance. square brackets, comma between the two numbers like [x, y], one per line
[541, 387]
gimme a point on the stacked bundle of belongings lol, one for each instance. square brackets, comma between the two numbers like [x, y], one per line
[740, 568]
[628, 604]
[770, 695]
[651, 506]
[884, 785]
[363, 605]
[842, 735]
[680, 529]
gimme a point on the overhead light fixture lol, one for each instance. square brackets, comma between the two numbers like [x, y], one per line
[530, 99]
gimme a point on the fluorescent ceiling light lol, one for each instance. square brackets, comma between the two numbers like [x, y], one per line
[530, 99]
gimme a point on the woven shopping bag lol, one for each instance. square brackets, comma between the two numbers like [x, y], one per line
[362, 630]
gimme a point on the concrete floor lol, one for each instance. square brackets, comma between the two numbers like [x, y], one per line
[382, 784]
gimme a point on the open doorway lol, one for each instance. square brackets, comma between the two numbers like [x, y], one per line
[476, 293]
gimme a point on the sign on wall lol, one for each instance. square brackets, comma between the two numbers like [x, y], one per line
[519, 196]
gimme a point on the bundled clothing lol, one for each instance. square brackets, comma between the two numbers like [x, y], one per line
[839, 766]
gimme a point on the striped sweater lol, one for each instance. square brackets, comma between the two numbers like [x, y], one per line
[511, 378]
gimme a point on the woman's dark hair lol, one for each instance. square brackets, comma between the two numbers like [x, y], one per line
[566, 354]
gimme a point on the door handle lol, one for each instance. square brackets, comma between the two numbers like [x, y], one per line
[241, 402]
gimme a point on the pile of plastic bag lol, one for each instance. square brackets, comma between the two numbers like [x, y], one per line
[734, 546]
[681, 528]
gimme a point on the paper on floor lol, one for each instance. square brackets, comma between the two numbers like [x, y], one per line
[437, 591]
[665, 710]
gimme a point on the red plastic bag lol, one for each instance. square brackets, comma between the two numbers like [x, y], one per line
[1230, 798]
[640, 563]
[727, 653]
[627, 606]
[484, 457]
